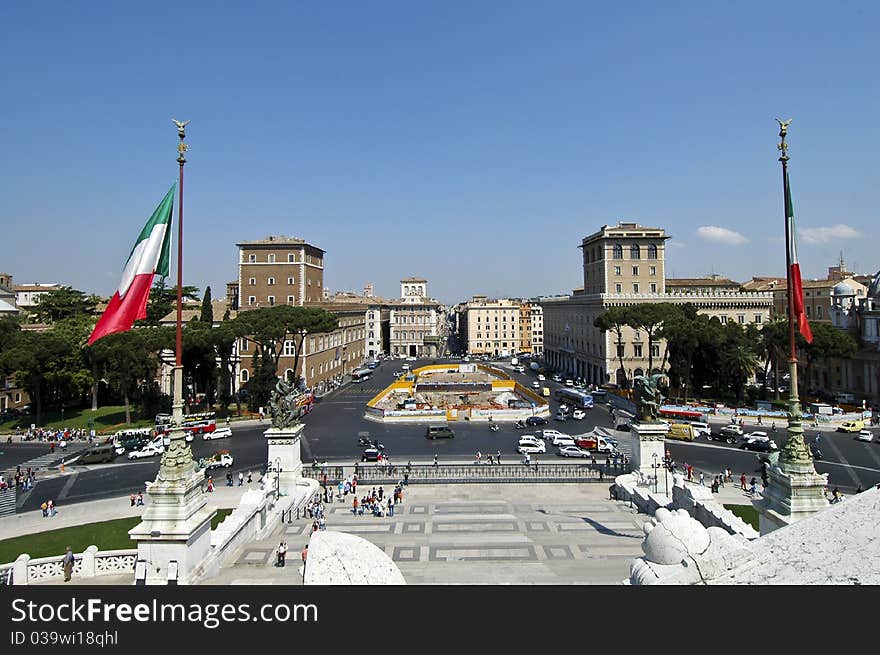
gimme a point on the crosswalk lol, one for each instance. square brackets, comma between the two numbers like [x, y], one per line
[50, 460]
[8, 500]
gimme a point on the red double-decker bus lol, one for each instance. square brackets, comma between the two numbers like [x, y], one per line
[194, 423]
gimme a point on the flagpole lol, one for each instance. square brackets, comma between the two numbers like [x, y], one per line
[795, 453]
[178, 361]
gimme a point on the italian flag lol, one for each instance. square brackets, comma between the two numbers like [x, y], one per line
[149, 256]
[794, 271]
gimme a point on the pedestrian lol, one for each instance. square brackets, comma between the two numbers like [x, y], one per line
[477, 457]
[354, 506]
[435, 459]
[305, 555]
[406, 479]
[322, 523]
[753, 486]
[210, 484]
[742, 482]
[227, 421]
[498, 456]
[140, 499]
[701, 479]
[250, 477]
[279, 555]
[240, 478]
[67, 563]
[52, 508]
[261, 414]
[132, 499]
[381, 492]
[45, 507]
[315, 525]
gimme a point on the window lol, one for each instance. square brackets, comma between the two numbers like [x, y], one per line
[653, 287]
[819, 311]
[244, 344]
[637, 350]
[635, 252]
[655, 350]
[808, 312]
[652, 251]
[290, 280]
[757, 318]
[291, 258]
[252, 300]
[271, 300]
[617, 270]
[653, 270]
[635, 270]
[617, 251]
[252, 258]
[620, 351]
[741, 319]
[635, 287]
[270, 281]
[252, 281]
[723, 320]
[288, 347]
[244, 375]
[289, 299]
[618, 288]
[271, 259]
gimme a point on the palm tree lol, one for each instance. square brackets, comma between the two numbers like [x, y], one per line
[739, 362]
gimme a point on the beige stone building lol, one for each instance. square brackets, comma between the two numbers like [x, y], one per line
[493, 326]
[417, 323]
[625, 265]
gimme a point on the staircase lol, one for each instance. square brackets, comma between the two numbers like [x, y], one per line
[7, 500]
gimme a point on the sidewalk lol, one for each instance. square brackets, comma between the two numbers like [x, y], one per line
[102, 510]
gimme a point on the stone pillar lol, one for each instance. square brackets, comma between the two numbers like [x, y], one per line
[88, 562]
[285, 460]
[20, 569]
[649, 440]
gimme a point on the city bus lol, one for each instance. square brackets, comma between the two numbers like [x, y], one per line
[194, 423]
[681, 414]
[575, 398]
[361, 374]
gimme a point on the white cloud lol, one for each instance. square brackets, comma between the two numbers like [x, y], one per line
[826, 234]
[676, 244]
[721, 235]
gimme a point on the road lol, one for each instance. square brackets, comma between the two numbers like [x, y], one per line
[332, 429]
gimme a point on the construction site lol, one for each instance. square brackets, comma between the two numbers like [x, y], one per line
[456, 392]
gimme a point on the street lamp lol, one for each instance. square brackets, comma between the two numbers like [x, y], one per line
[277, 478]
[655, 471]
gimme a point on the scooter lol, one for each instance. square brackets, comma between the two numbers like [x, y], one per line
[494, 427]
[519, 425]
[364, 441]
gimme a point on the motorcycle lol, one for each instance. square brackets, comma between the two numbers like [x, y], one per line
[519, 425]
[493, 427]
[370, 443]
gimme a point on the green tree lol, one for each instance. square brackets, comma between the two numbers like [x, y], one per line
[614, 318]
[270, 327]
[224, 336]
[207, 316]
[64, 303]
[737, 358]
[36, 358]
[262, 382]
[163, 299]
[650, 317]
[128, 360]
[772, 347]
[829, 342]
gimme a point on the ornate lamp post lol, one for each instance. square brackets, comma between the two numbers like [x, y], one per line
[656, 474]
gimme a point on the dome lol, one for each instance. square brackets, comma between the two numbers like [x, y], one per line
[841, 290]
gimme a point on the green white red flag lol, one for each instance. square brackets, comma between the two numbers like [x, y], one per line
[794, 273]
[149, 256]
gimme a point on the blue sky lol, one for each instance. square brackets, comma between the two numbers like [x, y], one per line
[471, 143]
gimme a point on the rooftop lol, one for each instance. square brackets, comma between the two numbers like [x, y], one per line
[279, 240]
[712, 281]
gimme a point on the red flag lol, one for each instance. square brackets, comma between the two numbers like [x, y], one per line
[794, 273]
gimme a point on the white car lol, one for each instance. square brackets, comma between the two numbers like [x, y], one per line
[865, 435]
[531, 448]
[150, 450]
[757, 436]
[536, 385]
[529, 439]
[573, 451]
[541, 377]
[550, 434]
[219, 433]
[578, 414]
[569, 383]
[563, 440]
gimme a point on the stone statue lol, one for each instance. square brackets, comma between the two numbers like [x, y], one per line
[283, 405]
[646, 394]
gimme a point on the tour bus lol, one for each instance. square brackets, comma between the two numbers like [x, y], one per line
[194, 423]
[579, 399]
[361, 374]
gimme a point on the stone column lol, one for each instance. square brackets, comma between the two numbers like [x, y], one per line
[88, 562]
[285, 460]
[20, 569]
[649, 440]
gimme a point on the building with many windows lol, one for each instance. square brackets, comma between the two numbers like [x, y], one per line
[279, 270]
[416, 322]
[493, 326]
[625, 265]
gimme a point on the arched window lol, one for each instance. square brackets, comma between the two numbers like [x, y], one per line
[244, 375]
[652, 251]
[635, 252]
[618, 251]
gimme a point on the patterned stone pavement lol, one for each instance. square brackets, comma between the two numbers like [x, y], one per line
[477, 534]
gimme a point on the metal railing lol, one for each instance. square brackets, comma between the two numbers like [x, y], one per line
[470, 473]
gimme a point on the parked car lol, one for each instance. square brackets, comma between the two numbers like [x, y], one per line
[542, 377]
[536, 420]
[557, 377]
[569, 383]
[760, 445]
[560, 416]
[219, 433]
[865, 435]
[531, 448]
[578, 414]
[150, 450]
[573, 451]
[529, 438]
[851, 426]
[563, 440]
[729, 436]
